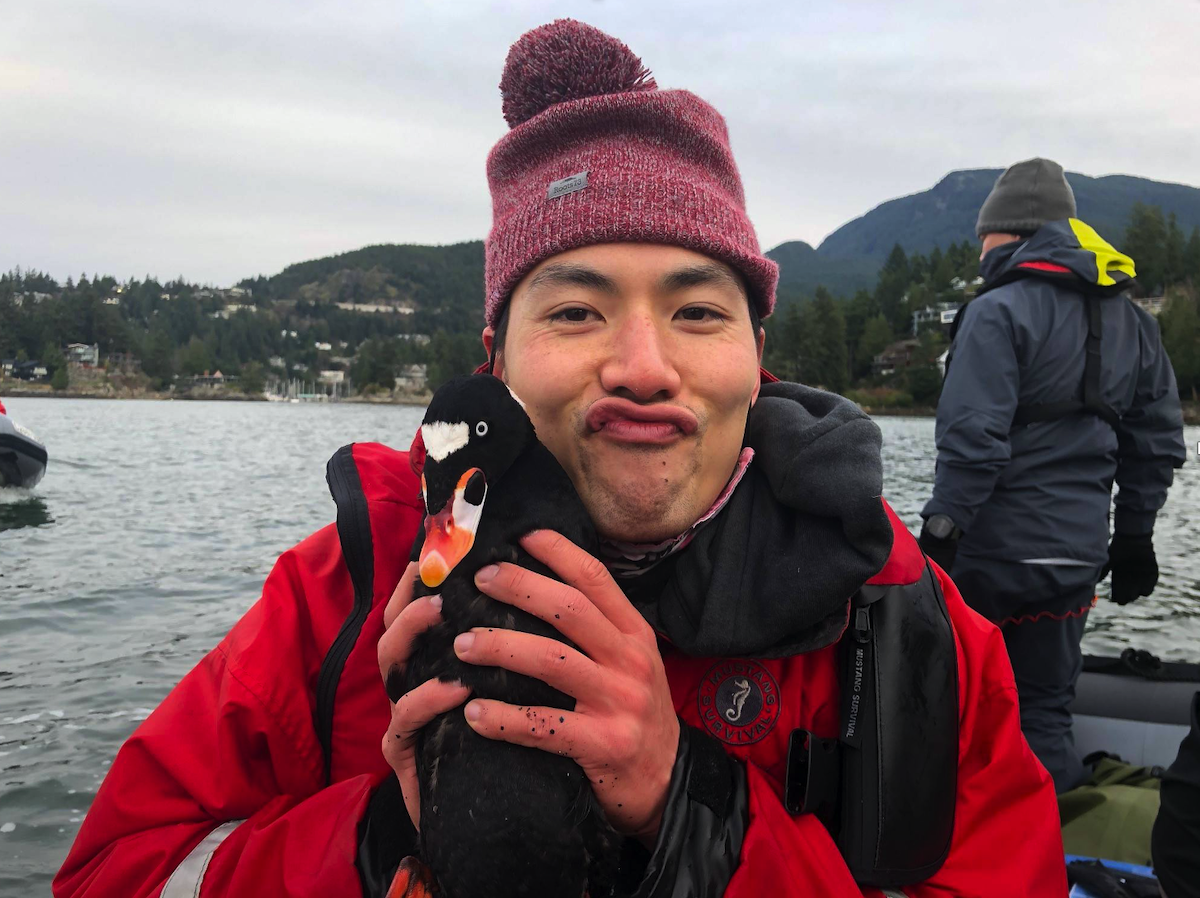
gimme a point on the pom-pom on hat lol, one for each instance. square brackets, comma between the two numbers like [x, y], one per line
[598, 154]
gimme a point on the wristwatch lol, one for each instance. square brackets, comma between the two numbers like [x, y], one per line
[940, 526]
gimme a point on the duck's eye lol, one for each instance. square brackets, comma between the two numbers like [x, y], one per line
[481, 429]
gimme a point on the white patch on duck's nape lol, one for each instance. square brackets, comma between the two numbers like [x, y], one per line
[441, 438]
[516, 397]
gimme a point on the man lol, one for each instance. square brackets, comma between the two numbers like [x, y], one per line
[1175, 842]
[739, 516]
[1056, 385]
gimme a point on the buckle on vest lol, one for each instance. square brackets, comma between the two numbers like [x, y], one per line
[813, 774]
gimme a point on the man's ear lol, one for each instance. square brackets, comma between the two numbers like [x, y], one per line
[489, 341]
[759, 341]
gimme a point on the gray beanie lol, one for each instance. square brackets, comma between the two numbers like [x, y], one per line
[1026, 196]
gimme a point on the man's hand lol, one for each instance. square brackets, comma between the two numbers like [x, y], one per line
[1134, 567]
[403, 619]
[943, 551]
[623, 731]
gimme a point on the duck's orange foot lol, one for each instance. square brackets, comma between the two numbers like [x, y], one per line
[413, 880]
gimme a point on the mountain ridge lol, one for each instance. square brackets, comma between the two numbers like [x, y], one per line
[445, 282]
[1103, 202]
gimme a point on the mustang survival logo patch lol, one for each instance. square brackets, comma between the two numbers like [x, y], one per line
[739, 701]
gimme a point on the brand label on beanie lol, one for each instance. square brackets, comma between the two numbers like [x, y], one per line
[567, 185]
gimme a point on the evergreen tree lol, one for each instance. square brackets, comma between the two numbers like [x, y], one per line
[894, 280]
[943, 273]
[52, 358]
[781, 353]
[252, 380]
[451, 355]
[1173, 253]
[1145, 242]
[858, 311]
[875, 339]
[1180, 326]
[823, 356]
[194, 358]
[1191, 259]
[158, 356]
[376, 363]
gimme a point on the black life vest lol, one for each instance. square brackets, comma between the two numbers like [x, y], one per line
[886, 788]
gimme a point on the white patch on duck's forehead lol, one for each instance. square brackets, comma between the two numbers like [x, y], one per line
[441, 438]
[516, 397]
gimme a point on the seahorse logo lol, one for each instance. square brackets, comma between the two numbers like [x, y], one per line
[739, 700]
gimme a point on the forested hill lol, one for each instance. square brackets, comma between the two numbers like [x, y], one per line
[802, 269]
[444, 284]
[946, 214]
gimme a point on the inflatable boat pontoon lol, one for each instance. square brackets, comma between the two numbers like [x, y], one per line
[1134, 706]
[22, 455]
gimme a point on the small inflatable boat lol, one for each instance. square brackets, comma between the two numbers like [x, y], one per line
[22, 455]
[1135, 706]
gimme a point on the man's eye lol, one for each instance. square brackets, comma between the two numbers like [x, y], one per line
[575, 316]
[700, 313]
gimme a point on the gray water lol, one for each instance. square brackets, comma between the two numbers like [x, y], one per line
[157, 523]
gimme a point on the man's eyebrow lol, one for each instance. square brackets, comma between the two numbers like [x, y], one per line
[699, 275]
[572, 274]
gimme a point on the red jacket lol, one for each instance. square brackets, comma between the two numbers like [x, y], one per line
[236, 741]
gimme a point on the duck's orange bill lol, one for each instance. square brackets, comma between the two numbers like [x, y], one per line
[449, 535]
[413, 880]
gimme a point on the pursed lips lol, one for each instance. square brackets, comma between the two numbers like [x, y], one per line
[628, 422]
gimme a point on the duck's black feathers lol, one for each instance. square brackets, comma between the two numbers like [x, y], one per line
[499, 820]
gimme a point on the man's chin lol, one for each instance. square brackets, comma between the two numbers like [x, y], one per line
[638, 509]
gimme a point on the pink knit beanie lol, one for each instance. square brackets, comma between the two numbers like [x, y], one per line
[598, 154]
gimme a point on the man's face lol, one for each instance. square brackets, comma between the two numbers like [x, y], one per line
[991, 241]
[637, 364]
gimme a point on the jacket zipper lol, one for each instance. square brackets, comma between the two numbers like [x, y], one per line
[353, 543]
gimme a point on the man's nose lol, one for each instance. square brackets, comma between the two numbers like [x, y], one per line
[640, 360]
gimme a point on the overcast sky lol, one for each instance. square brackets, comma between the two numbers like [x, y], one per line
[228, 138]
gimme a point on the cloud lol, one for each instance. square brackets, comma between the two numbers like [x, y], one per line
[225, 139]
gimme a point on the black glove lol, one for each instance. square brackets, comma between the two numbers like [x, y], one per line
[940, 550]
[1133, 565]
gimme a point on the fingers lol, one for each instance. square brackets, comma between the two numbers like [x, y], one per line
[401, 595]
[415, 709]
[550, 729]
[587, 574]
[410, 713]
[563, 607]
[395, 645]
[548, 660]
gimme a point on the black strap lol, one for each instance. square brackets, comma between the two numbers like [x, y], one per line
[1092, 402]
[354, 533]
[385, 837]
[891, 827]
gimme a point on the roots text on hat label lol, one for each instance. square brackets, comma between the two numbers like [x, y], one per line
[567, 185]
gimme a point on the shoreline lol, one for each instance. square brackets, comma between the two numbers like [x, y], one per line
[1191, 410]
[203, 396]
